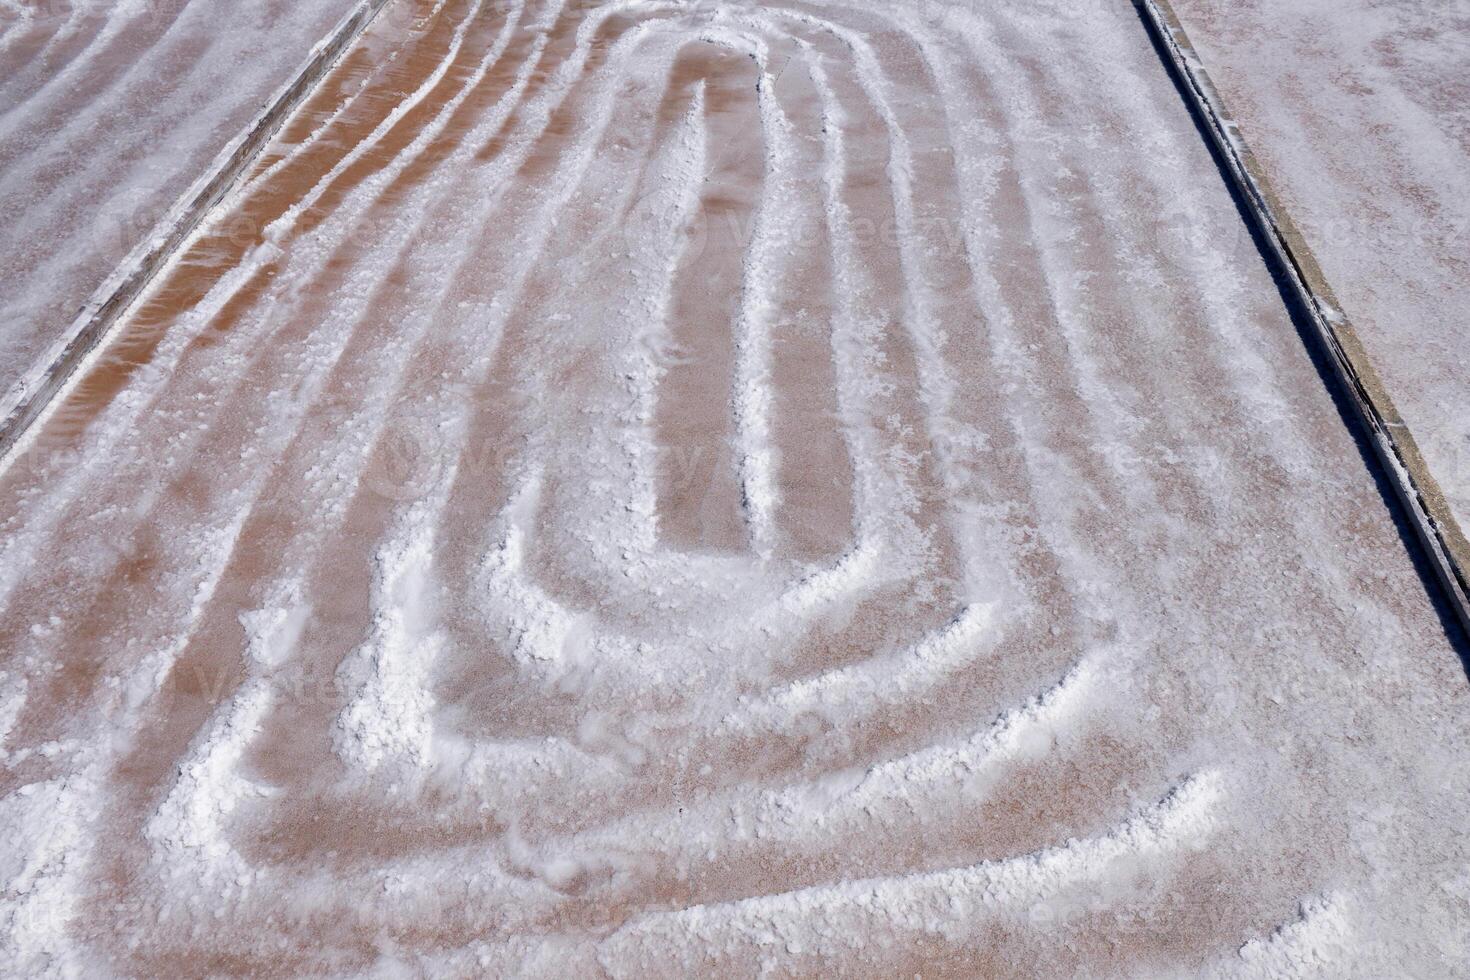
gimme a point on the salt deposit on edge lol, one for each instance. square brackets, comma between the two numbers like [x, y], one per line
[1359, 112]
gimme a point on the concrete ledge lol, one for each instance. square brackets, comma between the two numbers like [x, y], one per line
[1424, 502]
[24, 403]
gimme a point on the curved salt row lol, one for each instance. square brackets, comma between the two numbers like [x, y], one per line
[878, 680]
[18, 563]
[1318, 944]
[106, 442]
[1285, 433]
[833, 920]
[262, 175]
[388, 576]
[512, 544]
[916, 253]
[1221, 314]
[210, 546]
[911, 794]
[753, 331]
[286, 590]
[880, 496]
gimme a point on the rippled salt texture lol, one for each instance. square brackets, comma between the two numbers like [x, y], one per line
[1361, 112]
[109, 111]
[722, 488]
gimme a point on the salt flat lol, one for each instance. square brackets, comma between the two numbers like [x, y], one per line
[645, 489]
[1361, 112]
[109, 110]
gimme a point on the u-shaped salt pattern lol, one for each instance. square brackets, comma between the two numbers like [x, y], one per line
[653, 489]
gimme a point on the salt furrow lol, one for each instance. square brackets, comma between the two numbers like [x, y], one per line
[208, 544]
[869, 916]
[213, 304]
[753, 327]
[917, 792]
[92, 150]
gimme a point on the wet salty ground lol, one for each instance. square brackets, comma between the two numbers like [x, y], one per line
[650, 487]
